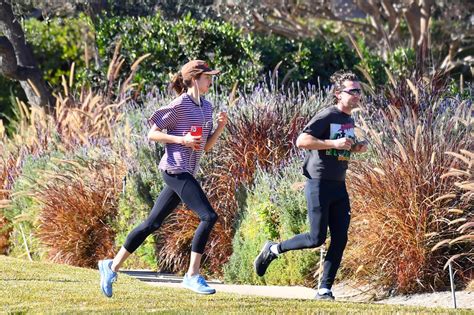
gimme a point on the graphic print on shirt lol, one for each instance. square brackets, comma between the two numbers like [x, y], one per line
[338, 131]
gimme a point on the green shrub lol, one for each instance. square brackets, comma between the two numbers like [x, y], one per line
[57, 43]
[9, 90]
[241, 57]
[173, 43]
[371, 63]
[24, 210]
[275, 210]
[402, 62]
[306, 60]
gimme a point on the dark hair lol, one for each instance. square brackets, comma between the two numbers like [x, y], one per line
[338, 78]
[179, 85]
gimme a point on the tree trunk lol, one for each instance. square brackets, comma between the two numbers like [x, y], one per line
[17, 61]
[423, 41]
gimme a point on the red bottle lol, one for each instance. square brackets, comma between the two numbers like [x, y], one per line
[196, 131]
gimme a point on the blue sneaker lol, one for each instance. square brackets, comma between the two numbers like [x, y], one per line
[107, 276]
[197, 284]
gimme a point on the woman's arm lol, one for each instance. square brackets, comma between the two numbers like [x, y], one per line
[221, 122]
[155, 134]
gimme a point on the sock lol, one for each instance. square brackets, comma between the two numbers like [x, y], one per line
[274, 249]
[323, 291]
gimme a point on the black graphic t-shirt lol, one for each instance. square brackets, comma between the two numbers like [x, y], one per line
[330, 164]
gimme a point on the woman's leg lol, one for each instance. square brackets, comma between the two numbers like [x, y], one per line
[194, 264]
[194, 197]
[191, 193]
[166, 202]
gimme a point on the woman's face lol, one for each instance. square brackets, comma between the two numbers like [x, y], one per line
[203, 82]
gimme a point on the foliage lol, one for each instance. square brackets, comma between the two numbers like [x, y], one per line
[275, 210]
[439, 32]
[371, 65]
[402, 200]
[23, 209]
[243, 58]
[402, 62]
[81, 123]
[76, 211]
[58, 43]
[172, 43]
[305, 61]
[8, 91]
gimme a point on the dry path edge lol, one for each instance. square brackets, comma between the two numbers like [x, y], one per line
[464, 299]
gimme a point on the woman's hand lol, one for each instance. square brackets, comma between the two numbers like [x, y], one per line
[221, 120]
[193, 142]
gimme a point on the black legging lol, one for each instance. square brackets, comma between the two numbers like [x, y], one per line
[179, 187]
[328, 205]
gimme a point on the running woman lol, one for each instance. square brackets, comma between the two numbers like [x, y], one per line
[188, 122]
[329, 140]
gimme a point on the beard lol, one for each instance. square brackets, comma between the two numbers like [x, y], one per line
[354, 104]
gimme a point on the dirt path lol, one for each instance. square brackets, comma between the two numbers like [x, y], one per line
[464, 299]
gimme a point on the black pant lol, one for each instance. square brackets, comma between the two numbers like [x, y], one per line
[179, 187]
[328, 205]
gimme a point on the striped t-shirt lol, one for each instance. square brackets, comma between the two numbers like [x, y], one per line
[177, 119]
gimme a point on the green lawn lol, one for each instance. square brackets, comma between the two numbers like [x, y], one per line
[51, 288]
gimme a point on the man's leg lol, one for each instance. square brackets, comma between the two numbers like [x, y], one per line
[318, 206]
[339, 219]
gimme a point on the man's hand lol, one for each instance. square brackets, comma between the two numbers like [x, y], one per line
[360, 147]
[343, 144]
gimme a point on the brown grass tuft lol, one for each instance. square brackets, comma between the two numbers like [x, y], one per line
[78, 206]
[404, 229]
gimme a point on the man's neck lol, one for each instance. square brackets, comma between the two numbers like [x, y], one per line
[345, 109]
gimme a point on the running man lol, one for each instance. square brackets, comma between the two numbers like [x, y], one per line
[329, 140]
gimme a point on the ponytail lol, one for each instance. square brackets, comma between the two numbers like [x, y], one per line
[177, 84]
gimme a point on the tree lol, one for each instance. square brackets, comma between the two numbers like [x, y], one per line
[382, 26]
[17, 61]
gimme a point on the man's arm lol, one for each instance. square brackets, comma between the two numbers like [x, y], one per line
[308, 142]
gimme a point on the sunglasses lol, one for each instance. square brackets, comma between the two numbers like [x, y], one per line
[353, 92]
